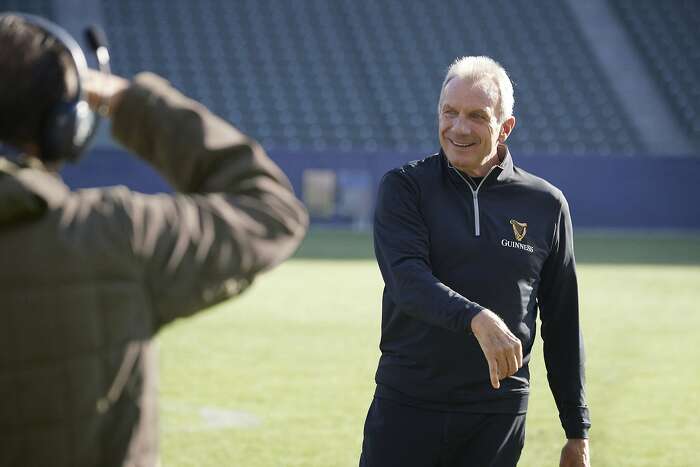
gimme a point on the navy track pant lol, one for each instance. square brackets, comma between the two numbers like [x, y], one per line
[398, 435]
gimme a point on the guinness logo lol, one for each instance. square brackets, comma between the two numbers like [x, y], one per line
[519, 229]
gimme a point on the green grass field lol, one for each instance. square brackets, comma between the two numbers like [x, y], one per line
[283, 375]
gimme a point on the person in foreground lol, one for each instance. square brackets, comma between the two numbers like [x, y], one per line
[88, 277]
[470, 246]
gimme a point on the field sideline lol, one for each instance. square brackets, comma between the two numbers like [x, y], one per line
[283, 375]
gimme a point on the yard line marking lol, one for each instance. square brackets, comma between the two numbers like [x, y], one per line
[188, 417]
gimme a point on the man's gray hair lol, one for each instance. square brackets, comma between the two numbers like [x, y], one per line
[482, 67]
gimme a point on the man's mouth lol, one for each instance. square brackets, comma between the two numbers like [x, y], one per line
[460, 145]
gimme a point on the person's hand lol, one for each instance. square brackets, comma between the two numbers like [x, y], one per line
[103, 91]
[503, 351]
[575, 453]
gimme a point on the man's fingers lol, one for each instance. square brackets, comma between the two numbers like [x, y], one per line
[509, 357]
[502, 349]
[514, 355]
[513, 365]
[493, 373]
[517, 355]
[503, 366]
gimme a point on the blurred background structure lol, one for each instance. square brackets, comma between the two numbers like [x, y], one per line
[339, 91]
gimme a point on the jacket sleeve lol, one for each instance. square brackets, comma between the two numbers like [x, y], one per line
[234, 215]
[561, 333]
[402, 248]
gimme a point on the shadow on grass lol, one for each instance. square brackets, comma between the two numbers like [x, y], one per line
[606, 248]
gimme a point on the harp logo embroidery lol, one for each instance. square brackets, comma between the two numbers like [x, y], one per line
[519, 229]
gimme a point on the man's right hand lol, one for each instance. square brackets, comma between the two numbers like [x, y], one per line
[103, 91]
[503, 351]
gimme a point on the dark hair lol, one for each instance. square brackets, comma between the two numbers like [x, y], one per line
[35, 73]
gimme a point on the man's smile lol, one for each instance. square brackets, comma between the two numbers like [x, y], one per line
[460, 145]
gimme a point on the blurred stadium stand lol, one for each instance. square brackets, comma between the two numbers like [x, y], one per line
[666, 34]
[365, 74]
[350, 87]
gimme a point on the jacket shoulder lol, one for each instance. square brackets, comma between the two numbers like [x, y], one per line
[418, 170]
[540, 187]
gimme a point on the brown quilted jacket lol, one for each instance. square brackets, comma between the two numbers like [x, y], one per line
[88, 277]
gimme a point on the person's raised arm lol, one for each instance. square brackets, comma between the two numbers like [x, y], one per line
[235, 214]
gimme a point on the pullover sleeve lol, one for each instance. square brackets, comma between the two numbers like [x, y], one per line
[234, 215]
[402, 248]
[561, 333]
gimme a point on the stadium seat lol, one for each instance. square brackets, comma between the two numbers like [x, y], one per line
[667, 37]
[365, 75]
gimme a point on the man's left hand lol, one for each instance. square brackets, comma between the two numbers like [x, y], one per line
[575, 453]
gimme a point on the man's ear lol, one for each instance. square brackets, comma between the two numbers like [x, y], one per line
[506, 127]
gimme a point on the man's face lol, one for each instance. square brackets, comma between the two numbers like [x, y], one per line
[468, 129]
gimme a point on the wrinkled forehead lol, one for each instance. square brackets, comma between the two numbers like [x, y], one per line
[473, 92]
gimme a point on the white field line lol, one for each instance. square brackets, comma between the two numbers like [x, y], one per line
[180, 416]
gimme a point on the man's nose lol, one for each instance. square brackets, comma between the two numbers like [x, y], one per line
[462, 125]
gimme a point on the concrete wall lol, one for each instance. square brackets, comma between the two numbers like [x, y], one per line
[637, 192]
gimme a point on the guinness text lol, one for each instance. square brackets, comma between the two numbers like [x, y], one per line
[518, 245]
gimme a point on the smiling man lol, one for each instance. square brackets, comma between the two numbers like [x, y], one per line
[470, 248]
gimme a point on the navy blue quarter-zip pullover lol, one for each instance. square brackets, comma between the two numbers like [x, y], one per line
[446, 250]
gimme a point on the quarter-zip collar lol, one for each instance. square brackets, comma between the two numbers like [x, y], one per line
[506, 164]
[502, 172]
